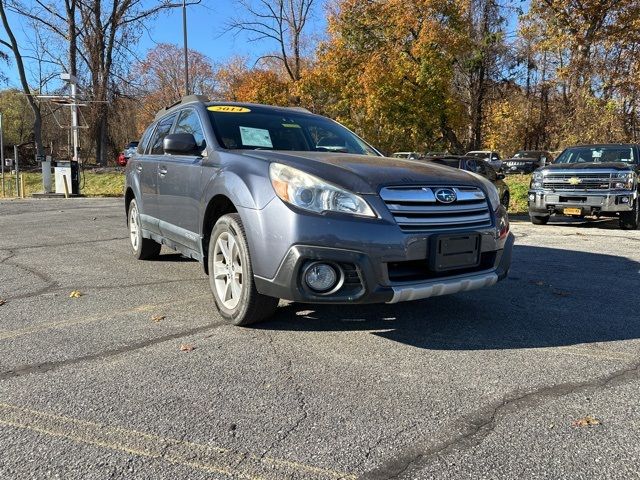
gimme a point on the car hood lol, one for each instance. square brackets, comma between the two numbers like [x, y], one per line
[368, 174]
[590, 166]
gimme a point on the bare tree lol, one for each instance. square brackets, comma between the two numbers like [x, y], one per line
[282, 21]
[12, 44]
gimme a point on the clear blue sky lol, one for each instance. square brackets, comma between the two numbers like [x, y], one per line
[207, 33]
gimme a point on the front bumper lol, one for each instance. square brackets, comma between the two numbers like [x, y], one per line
[369, 281]
[543, 202]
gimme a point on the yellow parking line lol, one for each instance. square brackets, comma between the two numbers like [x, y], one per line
[6, 334]
[208, 458]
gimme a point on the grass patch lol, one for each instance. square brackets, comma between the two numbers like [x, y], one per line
[94, 184]
[111, 184]
[519, 188]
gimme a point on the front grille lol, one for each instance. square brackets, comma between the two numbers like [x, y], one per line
[416, 209]
[577, 182]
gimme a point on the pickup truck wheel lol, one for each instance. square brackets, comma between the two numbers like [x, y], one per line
[143, 248]
[231, 275]
[631, 220]
[539, 220]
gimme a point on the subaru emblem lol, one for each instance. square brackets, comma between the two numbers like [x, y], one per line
[446, 195]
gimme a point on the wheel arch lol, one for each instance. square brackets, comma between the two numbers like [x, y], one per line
[219, 205]
[128, 196]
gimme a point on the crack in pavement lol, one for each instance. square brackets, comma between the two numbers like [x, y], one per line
[50, 283]
[56, 365]
[480, 424]
[300, 398]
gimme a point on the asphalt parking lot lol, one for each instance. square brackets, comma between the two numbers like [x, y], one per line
[485, 384]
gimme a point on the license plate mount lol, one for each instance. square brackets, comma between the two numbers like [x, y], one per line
[454, 252]
[572, 211]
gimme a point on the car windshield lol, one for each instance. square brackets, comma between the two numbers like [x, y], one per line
[242, 128]
[478, 154]
[597, 155]
[525, 154]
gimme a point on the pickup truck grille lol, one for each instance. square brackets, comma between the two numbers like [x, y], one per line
[416, 208]
[577, 182]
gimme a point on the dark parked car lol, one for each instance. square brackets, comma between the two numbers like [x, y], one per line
[589, 180]
[489, 156]
[526, 161]
[252, 192]
[480, 167]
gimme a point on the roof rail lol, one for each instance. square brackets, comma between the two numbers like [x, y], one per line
[187, 99]
[299, 109]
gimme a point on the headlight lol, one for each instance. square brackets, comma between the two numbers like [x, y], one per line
[623, 180]
[313, 194]
[536, 180]
[490, 188]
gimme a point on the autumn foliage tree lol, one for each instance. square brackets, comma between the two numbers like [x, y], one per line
[159, 79]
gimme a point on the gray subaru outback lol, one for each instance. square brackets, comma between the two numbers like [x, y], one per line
[278, 203]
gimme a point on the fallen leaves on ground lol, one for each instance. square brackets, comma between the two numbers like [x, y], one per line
[539, 283]
[75, 294]
[587, 421]
[157, 318]
[187, 347]
[561, 293]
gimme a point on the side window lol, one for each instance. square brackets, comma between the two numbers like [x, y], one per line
[144, 141]
[164, 126]
[471, 166]
[189, 122]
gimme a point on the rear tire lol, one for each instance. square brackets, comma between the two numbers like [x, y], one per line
[630, 220]
[142, 248]
[231, 275]
[536, 220]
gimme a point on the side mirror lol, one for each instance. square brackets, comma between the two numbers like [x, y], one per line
[179, 143]
[500, 176]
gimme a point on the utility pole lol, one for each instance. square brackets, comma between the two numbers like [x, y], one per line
[186, 55]
[73, 82]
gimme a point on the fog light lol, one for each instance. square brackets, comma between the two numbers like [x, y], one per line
[532, 197]
[624, 199]
[321, 277]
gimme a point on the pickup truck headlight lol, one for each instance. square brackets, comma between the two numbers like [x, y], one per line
[623, 181]
[314, 194]
[536, 180]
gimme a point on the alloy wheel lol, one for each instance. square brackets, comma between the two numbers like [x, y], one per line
[227, 270]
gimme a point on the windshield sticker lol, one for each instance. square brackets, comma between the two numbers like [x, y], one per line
[291, 125]
[228, 109]
[255, 137]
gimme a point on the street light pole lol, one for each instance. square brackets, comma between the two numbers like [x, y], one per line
[186, 55]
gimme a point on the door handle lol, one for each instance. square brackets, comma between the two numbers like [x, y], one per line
[163, 171]
[139, 168]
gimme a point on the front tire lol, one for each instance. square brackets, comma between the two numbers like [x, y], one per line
[142, 248]
[630, 220]
[536, 220]
[231, 275]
